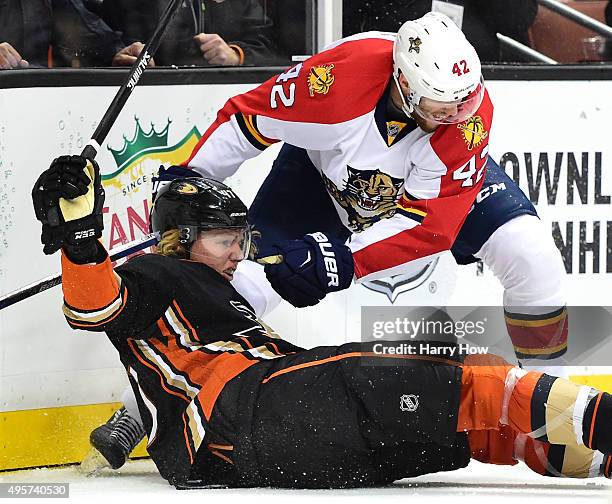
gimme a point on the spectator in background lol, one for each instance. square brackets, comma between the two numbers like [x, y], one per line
[482, 19]
[25, 33]
[203, 32]
[46, 33]
[80, 37]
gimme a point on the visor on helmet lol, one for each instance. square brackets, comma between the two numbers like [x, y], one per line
[450, 112]
[188, 234]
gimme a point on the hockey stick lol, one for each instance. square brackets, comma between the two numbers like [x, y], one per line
[124, 92]
[93, 146]
[51, 281]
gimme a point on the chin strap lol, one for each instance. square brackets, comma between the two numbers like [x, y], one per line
[407, 108]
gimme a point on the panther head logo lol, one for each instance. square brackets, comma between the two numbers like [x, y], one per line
[368, 196]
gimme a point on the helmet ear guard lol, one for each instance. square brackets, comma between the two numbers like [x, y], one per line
[187, 234]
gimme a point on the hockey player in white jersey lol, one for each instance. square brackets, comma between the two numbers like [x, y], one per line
[386, 149]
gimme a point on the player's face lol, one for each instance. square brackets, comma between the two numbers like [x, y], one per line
[221, 249]
[436, 111]
[430, 115]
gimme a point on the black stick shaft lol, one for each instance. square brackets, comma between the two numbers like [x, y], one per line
[51, 281]
[98, 137]
[124, 92]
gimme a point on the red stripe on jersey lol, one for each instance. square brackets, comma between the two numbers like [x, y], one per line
[445, 214]
[542, 340]
[361, 71]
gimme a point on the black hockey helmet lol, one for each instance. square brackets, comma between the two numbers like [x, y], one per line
[197, 204]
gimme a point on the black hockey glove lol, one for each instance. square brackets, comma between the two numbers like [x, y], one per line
[311, 268]
[68, 200]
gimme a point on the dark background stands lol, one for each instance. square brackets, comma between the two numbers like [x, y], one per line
[77, 36]
[608, 48]
[238, 22]
[481, 20]
[26, 26]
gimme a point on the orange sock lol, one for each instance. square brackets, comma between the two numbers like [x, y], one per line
[493, 446]
[483, 389]
[506, 447]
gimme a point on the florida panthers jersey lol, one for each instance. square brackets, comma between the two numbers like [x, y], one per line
[403, 192]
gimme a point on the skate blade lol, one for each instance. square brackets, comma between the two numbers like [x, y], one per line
[93, 463]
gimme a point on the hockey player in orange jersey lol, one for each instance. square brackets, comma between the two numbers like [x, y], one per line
[224, 400]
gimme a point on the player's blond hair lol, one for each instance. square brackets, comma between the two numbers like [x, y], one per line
[170, 245]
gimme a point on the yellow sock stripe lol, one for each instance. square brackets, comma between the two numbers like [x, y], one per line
[541, 351]
[535, 323]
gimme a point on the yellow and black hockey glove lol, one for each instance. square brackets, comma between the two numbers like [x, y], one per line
[68, 200]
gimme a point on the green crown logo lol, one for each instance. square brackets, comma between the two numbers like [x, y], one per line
[140, 142]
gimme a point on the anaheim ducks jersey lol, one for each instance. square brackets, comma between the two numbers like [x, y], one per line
[404, 193]
[182, 332]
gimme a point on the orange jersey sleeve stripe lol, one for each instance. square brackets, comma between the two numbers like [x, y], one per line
[75, 320]
[89, 286]
[249, 121]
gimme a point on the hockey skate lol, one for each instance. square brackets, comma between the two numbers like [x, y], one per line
[112, 443]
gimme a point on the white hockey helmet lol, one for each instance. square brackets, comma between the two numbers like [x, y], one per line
[441, 67]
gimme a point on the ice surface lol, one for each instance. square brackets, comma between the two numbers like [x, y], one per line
[138, 481]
